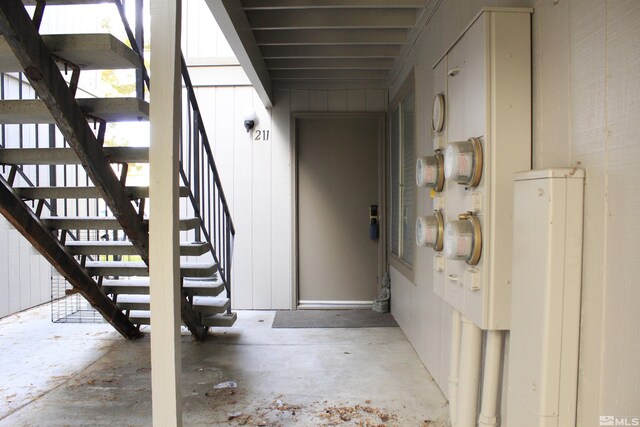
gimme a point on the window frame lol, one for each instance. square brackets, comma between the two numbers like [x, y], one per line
[396, 259]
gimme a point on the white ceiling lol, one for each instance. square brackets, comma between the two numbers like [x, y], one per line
[318, 43]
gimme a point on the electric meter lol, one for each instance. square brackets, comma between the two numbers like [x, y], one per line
[429, 231]
[430, 172]
[437, 114]
[463, 239]
[463, 162]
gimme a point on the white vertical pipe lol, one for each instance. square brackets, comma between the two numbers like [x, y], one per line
[454, 365]
[470, 361]
[491, 380]
[164, 237]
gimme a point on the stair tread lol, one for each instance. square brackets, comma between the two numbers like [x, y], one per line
[141, 286]
[203, 301]
[24, 111]
[110, 247]
[139, 268]
[198, 301]
[218, 320]
[144, 282]
[33, 193]
[103, 223]
[66, 156]
[100, 51]
[133, 299]
[94, 264]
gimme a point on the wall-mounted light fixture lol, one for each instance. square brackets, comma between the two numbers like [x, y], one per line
[250, 120]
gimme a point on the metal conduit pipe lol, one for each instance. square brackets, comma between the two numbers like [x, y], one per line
[470, 361]
[491, 380]
[454, 365]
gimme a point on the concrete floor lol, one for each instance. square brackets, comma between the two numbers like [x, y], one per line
[53, 375]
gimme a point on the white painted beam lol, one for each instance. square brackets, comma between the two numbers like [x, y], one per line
[314, 4]
[348, 51]
[329, 74]
[330, 84]
[233, 22]
[330, 63]
[394, 36]
[327, 18]
[164, 237]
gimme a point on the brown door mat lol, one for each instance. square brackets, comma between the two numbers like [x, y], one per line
[333, 319]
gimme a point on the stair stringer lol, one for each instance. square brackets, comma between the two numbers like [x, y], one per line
[30, 226]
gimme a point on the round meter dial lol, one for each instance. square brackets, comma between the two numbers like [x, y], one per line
[463, 162]
[437, 114]
[429, 231]
[463, 239]
[430, 172]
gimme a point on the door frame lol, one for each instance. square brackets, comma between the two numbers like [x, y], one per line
[382, 192]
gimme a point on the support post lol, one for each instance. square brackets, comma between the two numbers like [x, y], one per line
[164, 232]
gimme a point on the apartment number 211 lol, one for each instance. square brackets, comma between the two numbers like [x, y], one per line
[262, 135]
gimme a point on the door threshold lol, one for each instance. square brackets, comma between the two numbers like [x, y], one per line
[335, 305]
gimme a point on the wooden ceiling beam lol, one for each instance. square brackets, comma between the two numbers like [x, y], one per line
[348, 51]
[391, 36]
[327, 18]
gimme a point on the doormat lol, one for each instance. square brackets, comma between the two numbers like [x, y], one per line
[333, 319]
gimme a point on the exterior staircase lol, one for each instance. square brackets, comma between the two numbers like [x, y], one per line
[68, 196]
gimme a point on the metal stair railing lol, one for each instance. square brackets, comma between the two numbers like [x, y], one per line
[200, 174]
[198, 168]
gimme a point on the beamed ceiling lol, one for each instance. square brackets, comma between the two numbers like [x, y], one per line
[319, 43]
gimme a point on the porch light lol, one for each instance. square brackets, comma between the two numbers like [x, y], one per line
[250, 120]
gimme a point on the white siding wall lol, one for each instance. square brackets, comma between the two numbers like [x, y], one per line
[256, 176]
[25, 276]
[585, 93]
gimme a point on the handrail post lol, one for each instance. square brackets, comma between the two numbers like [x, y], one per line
[139, 34]
[227, 267]
[196, 168]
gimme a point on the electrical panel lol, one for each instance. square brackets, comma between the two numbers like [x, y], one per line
[481, 128]
[547, 271]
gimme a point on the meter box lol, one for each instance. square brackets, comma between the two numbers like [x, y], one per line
[482, 129]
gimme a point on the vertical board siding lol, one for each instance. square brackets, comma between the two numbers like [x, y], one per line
[337, 100]
[25, 276]
[356, 100]
[300, 100]
[257, 179]
[4, 270]
[281, 208]
[588, 133]
[620, 385]
[261, 204]
[318, 100]
[201, 36]
[243, 197]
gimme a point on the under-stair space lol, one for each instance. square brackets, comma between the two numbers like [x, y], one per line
[63, 182]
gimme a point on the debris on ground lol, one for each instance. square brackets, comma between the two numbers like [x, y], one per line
[226, 384]
[233, 415]
[359, 413]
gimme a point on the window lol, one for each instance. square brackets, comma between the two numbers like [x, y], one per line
[402, 180]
